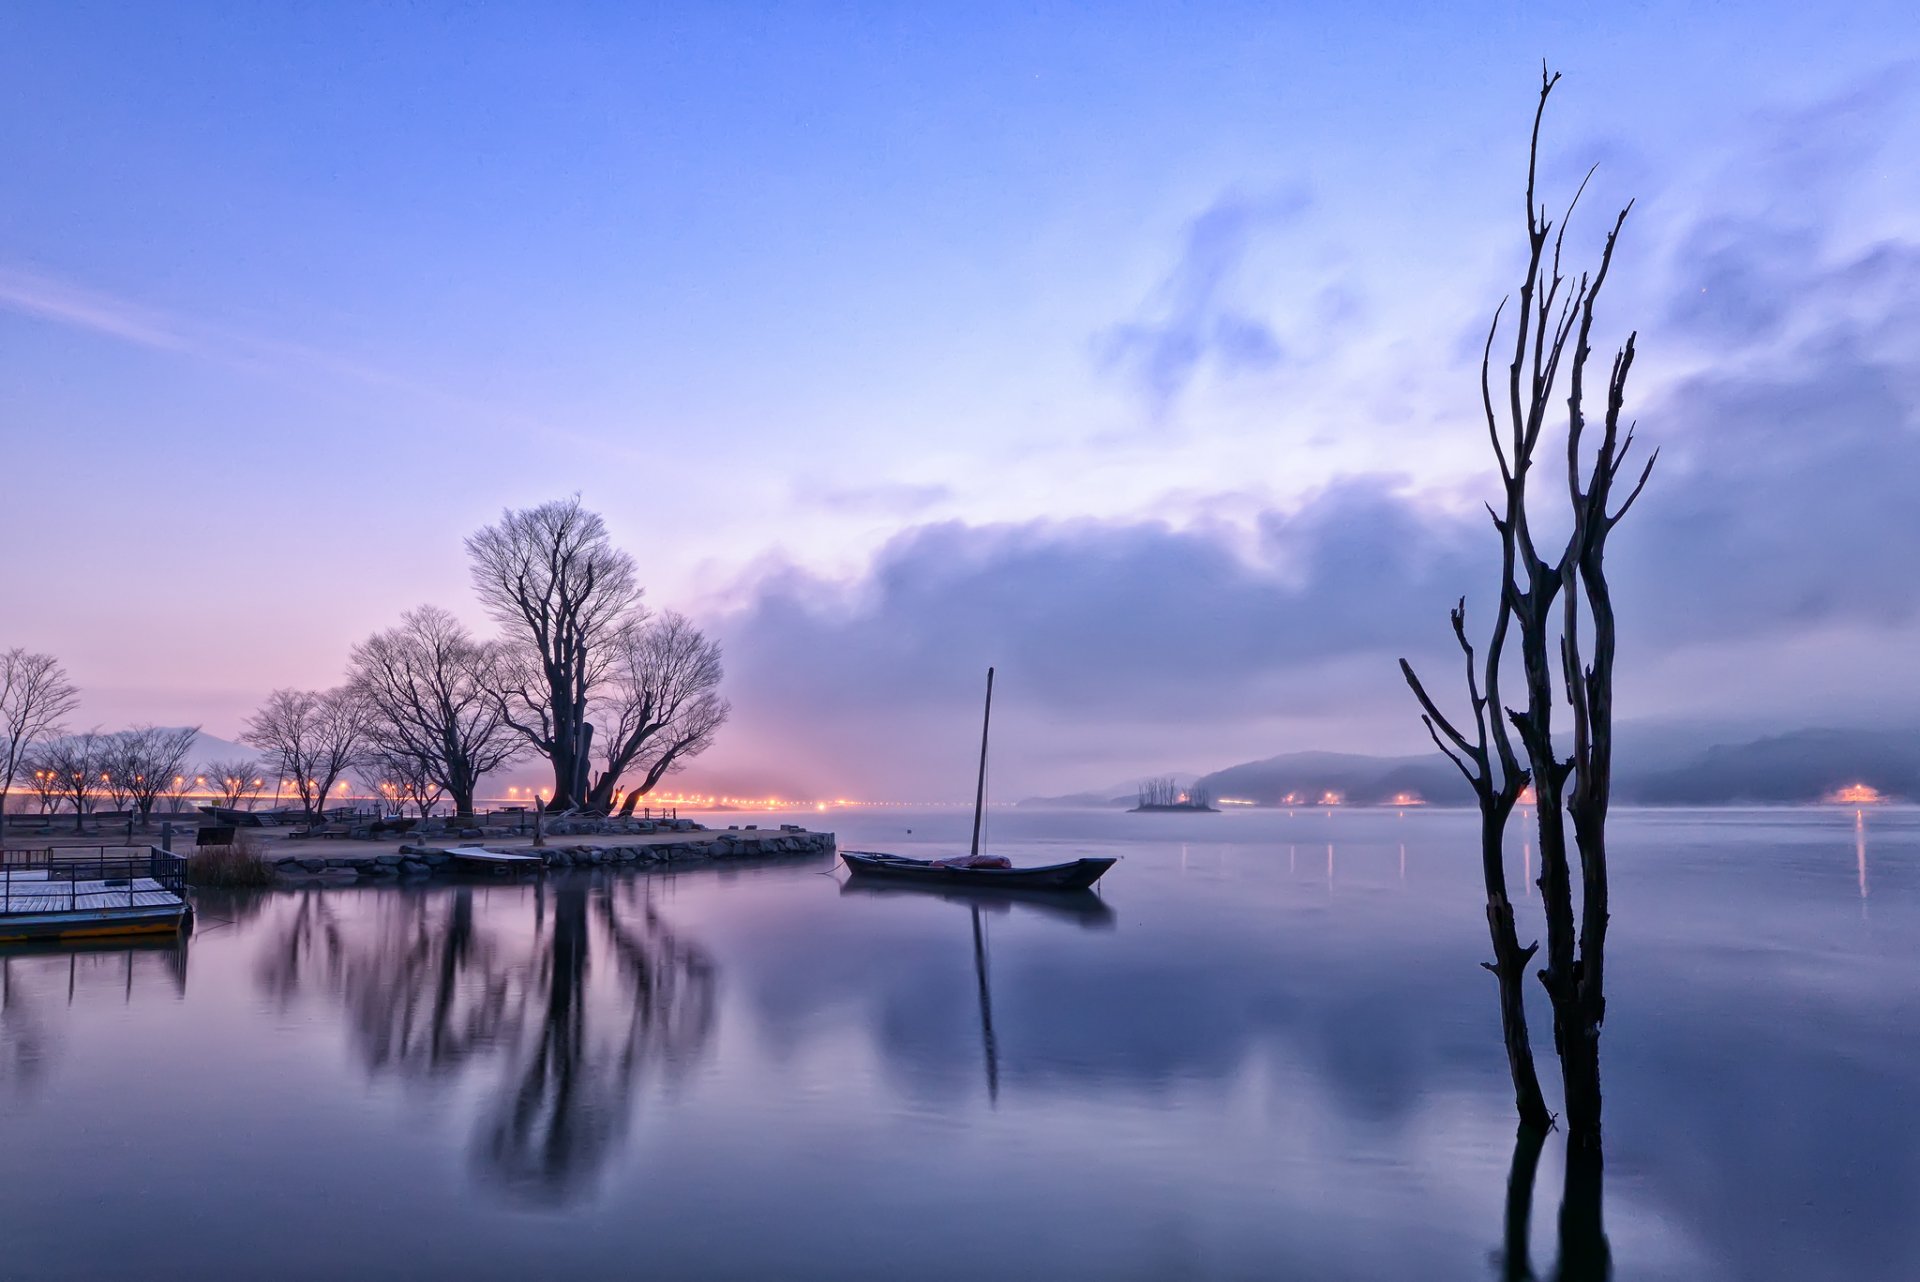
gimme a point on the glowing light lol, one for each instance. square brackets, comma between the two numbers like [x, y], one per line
[1408, 799]
[1858, 794]
[1329, 798]
[1526, 796]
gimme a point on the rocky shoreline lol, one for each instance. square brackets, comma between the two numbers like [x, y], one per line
[416, 861]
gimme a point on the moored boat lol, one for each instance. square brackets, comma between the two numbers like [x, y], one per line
[1079, 874]
[975, 869]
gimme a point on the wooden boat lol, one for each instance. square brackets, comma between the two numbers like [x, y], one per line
[1076, 875]
[1080, 874]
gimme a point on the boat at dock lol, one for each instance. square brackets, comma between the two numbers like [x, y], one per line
[106, 897]
[976, 869]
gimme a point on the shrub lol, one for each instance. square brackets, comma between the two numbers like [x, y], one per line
[237, 864]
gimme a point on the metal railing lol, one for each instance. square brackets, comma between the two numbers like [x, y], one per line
[89, 882]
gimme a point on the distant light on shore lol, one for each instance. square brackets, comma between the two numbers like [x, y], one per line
[1857, 794]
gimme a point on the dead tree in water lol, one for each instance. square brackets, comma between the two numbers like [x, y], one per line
[1552, 311]
[1497, 779]
[1547, 319]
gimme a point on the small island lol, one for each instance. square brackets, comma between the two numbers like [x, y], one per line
[1165, 793]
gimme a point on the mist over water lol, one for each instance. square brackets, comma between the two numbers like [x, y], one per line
[1266, 1050]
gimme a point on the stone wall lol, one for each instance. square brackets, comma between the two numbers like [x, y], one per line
[419, 861]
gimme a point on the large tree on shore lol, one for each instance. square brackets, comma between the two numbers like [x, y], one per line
[310, 738]
[660, 707]
[565, 598]
[431, 692]
[35, 697]
[77, 764]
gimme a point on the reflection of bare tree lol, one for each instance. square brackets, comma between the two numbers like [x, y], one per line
[568, 1102]
[430, 986]
[1585, 1255]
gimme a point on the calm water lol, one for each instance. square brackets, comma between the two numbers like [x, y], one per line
[1270, 1053]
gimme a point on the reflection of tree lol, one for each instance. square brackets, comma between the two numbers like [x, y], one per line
[1585, 1255]
[568, 1102]
[23, 1034]
[428, 989]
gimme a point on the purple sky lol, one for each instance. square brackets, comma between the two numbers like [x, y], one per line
[1135, 356]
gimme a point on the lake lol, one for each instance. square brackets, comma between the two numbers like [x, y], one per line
[1267, 1051]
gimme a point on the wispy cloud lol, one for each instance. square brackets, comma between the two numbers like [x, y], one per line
[45, 298]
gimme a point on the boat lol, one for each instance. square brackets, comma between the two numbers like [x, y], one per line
[1078, 874]
[95, 899]
[976, 869]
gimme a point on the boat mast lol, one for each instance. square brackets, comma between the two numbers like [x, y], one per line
[980, 789]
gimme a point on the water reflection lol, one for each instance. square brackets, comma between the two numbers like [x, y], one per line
[567, 1011]
[1584, 1254]
[38, 977]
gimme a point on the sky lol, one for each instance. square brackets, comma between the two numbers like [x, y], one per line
[1133, 351]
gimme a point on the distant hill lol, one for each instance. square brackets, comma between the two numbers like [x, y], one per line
[1121, 794]
[1805, 765]
[1785, 769]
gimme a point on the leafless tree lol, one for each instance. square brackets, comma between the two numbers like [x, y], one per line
[401, 779]
[235, 781]
[1554, 310]
[142, 764]
[186, 781]
[77, 763]
[310, 738]
[565, 597]
[659, 709]
[431, 691]
[38, 774]
[35, 697]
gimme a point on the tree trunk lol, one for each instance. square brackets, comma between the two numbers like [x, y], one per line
[1509, 967]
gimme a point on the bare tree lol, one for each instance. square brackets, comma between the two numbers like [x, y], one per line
[235, 780]
[38, 773]
[660, 707]
[77, 763]
[1552, 311]
[431, 691]
[565, 597]
[311, 738]
[142, 764]
[35, 697]
[401, 779]
[186, 781]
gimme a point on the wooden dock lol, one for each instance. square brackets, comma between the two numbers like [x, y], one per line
[94, 899]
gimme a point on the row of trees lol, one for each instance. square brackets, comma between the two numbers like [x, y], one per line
[613, 696]
[582, 674]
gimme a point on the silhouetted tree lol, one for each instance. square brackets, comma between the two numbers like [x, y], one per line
[565, 597]
[144, 762]
[236, 780]
[77, 766]
[433, 714]
[310, 738]
[660, 707]
[35, 697]
[1553, 311]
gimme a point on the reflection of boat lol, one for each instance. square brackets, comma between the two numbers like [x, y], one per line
[977, 870]
[1081, 906]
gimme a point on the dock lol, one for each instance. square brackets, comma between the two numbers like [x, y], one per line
[93, 898]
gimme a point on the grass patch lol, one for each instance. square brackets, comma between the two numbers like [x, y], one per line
[237, 865]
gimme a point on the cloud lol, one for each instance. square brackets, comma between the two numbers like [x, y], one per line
[45, 298]
[1193, 321]
[879, 498]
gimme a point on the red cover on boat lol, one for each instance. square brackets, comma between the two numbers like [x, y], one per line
[974, 861]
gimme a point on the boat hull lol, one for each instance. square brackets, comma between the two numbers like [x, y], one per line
[1077, 875]
[25, 927]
